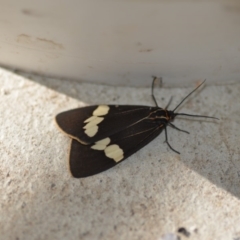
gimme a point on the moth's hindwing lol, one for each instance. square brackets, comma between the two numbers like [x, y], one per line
[87, 160]
[91, 124]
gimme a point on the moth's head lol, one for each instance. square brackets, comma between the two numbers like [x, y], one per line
[171, 115]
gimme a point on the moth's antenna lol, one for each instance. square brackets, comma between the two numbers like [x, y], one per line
[169, 102]
[153, 82]
[190, 115]
[188, 96]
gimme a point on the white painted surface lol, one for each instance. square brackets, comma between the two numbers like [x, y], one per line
[123, 42]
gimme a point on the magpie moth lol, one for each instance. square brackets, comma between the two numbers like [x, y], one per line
[104, 135]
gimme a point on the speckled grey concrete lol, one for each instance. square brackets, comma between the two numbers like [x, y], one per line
[149, 196]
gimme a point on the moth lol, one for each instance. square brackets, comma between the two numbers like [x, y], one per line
[102, 136]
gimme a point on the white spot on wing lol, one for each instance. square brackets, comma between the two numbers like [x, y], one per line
[92, 122]
[95, 122]
[112, 151]
[102, 144]
[101, 110]
[115, 152]
[91, 131]
[90, 119]
[104, 141]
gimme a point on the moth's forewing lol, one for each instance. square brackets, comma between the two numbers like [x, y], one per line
[106, 120]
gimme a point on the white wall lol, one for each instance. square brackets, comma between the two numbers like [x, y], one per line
[123, 42]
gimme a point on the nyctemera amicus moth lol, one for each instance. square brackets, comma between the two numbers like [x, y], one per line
[104, 135]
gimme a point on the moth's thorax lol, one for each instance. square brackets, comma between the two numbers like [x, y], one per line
[160, 114]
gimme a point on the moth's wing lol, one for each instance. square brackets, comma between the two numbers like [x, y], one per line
[85, 161]
[90, 124]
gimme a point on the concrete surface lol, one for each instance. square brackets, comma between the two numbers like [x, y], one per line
[149, 196]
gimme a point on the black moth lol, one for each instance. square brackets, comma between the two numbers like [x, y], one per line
[104, 135]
